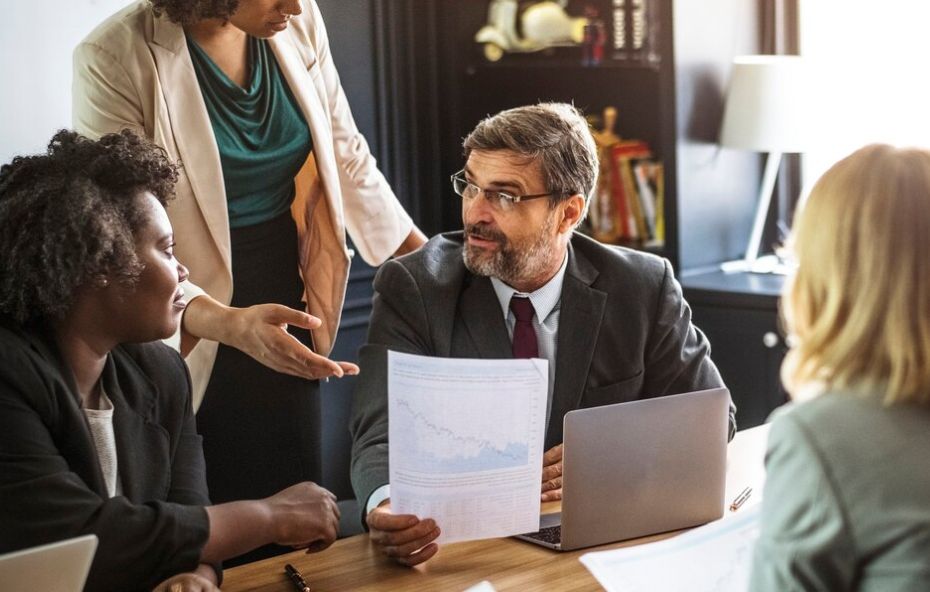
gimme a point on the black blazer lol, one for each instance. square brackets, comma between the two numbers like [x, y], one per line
[625, 333]
[51, 485]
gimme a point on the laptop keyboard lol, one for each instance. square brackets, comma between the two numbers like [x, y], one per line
[551, 534]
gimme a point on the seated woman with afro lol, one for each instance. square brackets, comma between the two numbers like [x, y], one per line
[97, 433]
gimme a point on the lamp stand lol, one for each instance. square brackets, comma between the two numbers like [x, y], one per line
[751, 261]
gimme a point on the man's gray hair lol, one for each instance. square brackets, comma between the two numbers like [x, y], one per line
[554, 134]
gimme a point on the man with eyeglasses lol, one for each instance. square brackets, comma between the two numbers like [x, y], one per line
[520, 282]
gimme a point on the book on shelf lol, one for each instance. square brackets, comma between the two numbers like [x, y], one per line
[601, 212]
[646, 195]
[633, 197]
[628, 209]
[627, 205]
[649, 184]
[623, 214]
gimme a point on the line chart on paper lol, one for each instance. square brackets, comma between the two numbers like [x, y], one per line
[466, 442]
[433, 446]
[460, 418]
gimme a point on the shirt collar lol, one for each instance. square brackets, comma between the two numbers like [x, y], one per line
[544, 299]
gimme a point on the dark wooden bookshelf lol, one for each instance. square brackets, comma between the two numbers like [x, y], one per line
[437, 84]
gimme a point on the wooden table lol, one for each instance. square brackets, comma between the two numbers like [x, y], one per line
[355, 564]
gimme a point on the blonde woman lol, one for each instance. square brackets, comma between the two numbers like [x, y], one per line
[847, 498]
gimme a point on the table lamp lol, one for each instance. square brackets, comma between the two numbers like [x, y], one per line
[766, 111]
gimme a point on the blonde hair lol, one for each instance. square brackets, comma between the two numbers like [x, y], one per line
[858, 307]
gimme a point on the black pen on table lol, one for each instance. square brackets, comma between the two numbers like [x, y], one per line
[740, 499]
[296, 578]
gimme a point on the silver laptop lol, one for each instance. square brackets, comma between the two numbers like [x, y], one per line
[639, 468]
[60, 566]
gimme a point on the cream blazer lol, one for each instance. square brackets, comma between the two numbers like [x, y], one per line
[134, 71]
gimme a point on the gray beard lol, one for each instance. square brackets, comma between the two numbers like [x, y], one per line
[512, 264]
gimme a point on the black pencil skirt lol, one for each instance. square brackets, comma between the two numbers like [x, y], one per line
[261, 429]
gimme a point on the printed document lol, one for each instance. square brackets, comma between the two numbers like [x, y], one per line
[716, 557]
[467, 443]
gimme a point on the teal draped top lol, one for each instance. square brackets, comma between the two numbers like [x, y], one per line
[262, 136]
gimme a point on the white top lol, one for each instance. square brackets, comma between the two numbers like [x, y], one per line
[100, 422]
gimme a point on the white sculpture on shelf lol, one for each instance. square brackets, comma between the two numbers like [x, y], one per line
[544, 24]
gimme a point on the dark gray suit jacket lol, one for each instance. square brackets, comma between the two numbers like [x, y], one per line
[51, 485]
[625, 333]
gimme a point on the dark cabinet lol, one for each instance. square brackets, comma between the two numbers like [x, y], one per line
[739, 314]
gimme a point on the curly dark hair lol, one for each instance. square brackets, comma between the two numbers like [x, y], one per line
[188, 12]
[69, 218]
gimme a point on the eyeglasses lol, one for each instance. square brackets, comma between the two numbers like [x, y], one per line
[499, 200]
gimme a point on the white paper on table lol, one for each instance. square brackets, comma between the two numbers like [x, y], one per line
[716, 557]
[467, 443]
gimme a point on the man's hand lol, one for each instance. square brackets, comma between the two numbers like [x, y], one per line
[261, 332]
[552, 475]
[403, 537]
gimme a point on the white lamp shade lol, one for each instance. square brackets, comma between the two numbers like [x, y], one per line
[767, 104]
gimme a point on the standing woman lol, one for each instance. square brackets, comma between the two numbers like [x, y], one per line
[847, 492]
[244, 93]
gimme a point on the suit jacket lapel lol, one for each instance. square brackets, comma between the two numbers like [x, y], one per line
[138, 440]
[191, 129]
[296, 68]
[483, 320]
[85, 462]
[580, 315]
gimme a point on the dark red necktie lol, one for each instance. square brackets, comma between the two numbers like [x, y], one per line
[524, 335]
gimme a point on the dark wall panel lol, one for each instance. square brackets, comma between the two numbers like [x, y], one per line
[351, 38]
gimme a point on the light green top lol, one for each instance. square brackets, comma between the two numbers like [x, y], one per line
[846, 504]
[260, 131]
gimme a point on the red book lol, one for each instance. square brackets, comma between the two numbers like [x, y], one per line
[620, 154]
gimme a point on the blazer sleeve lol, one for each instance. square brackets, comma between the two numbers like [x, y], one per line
[140, 544]
[188, 466]
[677, 353]
[375, 219]
[804, 543]
[398, 322]
[103, 97]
